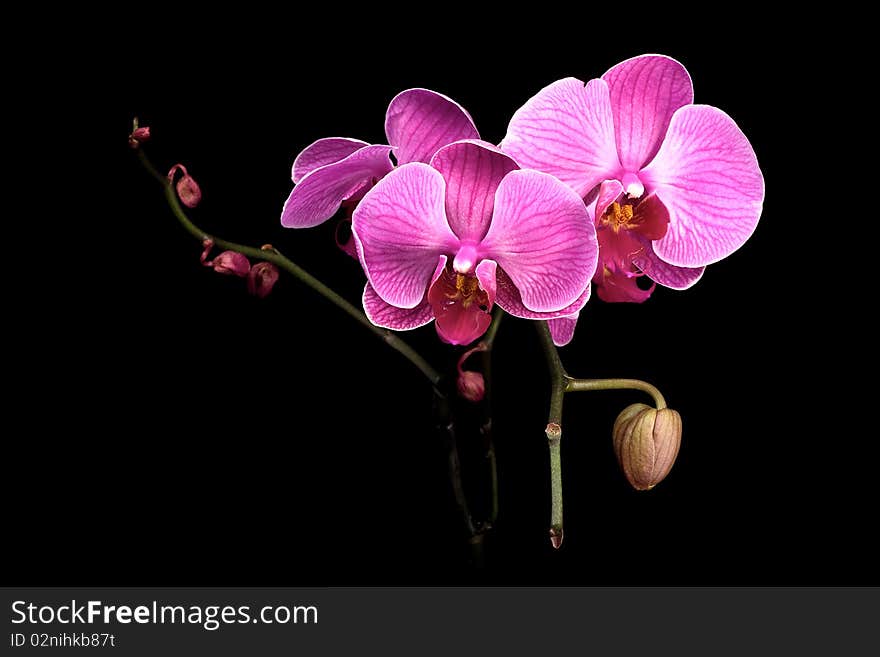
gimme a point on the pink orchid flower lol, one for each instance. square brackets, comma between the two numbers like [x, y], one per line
[676, 185]
[449, 240]
[338, 171]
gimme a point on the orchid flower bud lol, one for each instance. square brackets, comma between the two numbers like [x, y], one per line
[187, 188]
[231, 262]
[262, 279]
[138, 136]
[646, 442]
[471, 385]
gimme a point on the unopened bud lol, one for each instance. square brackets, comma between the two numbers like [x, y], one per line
[262, 279]
[646, 442]
[231, 262]
[187, 188]
[471, 385]
[138, 136]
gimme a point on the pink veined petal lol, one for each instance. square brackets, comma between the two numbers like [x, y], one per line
[676, 278]
[644, 92]
[509, 299]
[400, 230]
[542, 237]
[566, 130]
[391, 317]
[419, 122]
[472, 170]
[562, 329]
[707, 176]
[320, 193]
[324, 152]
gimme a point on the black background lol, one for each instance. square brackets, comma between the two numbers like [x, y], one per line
[180, 432]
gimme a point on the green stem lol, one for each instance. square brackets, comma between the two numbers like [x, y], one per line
[295, 270]
[558, 385]
[584, 385]
[486, 424]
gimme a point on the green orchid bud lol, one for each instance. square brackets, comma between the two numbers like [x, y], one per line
[646, 442]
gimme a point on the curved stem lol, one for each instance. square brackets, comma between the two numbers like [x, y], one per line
[276, 258]
[584, 385]
[558, 386]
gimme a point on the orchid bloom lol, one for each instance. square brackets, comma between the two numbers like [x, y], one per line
[338, 171]
[449, 240]
[676, 185]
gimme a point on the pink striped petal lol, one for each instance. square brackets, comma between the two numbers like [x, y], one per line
[473, 171]
[542, 237]
[677, 278]
[566, 130]
[644, 92]
[400, 230]
[324, 152]
[320, 193]
[707, 176]
[508, 297]
[562, 329]
[391, 317]
[419, 122]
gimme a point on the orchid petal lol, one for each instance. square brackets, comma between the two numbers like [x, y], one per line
[472, 170]
[676, 278]
[400, 230]
[566, 130]
[609, 191]
[707, 176]
[508, 297]
[644, 92]
[391, 317]
[487, 272]
[419, 122]
[324, 152]
[562, 329]
[542, 237]
[320, 193]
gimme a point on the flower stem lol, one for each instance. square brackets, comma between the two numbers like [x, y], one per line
[486, 424]
[558, 386]
[584, 385]
[276, 258]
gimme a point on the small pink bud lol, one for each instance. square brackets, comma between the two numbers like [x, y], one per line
[471, 385]
[208, 245]
[139, 135]
[187, 188]
[231, 262]
[262, 279]
[646, 442]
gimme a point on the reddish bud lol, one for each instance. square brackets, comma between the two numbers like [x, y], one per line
[231, 262]
[138, 135]
[208, 245]
[471, 385]
[262, 279]
[646, 442]
[187, 188]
